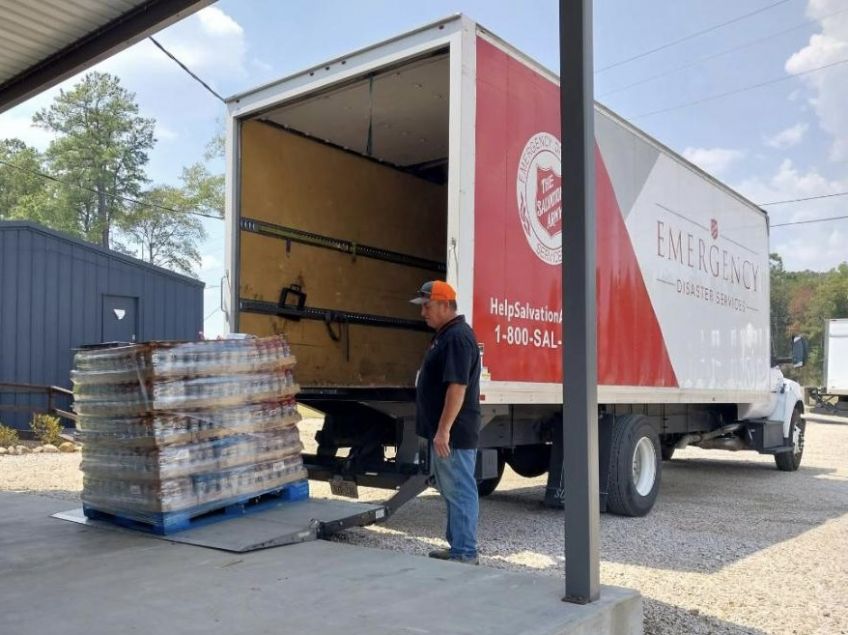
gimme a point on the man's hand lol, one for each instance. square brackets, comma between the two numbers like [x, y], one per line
[442, 443]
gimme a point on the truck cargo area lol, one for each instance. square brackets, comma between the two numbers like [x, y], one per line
[343, 215]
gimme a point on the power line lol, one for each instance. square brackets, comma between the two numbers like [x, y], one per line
[807, 222]
[689, 37]
[112, 196]
[807, 198]
[211, 314]
[701, 60]
[738, 90]
[186, 69]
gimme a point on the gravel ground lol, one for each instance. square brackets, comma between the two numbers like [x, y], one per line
[732, 546]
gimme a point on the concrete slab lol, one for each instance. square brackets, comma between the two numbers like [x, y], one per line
[284, 524]
[75, 579]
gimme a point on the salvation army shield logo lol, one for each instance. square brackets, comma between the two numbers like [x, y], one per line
[539, 192]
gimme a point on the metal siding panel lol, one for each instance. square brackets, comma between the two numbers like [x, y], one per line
[67, 311]
[161, 310]
[37, 308]
[23, 302]
[99, 274]
[198, 308]
[172, 311]
[151, 309]
[189, 314]
[8, 294]
[8, 314]
[144, 308]
[168, 296]
[175, 310]
[91, 325]
[79, 280]
[51, 371]
[186, 316]
[134, 277]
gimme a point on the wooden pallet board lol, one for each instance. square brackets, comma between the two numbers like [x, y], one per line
[167, 523]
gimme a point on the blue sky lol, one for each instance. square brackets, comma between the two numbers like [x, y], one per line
[784, 140]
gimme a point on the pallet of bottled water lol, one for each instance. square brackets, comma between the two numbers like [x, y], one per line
[174, 431]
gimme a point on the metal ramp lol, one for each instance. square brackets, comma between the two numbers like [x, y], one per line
[284, 524]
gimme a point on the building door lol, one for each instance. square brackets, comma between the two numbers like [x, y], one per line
[120, 318]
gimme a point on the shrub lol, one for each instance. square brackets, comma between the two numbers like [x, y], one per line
[47, 429]
[8, 436]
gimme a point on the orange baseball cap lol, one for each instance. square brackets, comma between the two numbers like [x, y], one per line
[435, 290]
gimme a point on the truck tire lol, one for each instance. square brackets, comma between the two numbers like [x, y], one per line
[635, 466]
[488, 485]
[530, 461]
[791, 461]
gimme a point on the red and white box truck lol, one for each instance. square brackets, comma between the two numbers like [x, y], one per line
[437, 155]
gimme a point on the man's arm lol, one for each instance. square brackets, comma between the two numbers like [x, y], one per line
[454, 397]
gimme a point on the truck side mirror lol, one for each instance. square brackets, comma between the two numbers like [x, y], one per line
[799, 351]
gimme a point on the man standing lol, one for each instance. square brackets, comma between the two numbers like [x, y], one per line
[448, 414]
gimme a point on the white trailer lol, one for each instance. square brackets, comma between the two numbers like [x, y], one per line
[437, 154]
[836, 357]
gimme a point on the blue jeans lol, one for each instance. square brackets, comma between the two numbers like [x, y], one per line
[456, 482]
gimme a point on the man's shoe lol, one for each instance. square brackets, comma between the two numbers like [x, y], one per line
[440, 554]
[465, 560]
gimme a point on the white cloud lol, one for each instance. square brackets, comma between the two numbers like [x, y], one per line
[210, 43]
[789, 137]
[816, 246]
[216, 22]
[713, 160]
[830, 86]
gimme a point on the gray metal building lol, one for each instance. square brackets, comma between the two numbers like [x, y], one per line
[58, 293]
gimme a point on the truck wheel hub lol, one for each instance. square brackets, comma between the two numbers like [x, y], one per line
[644, 466]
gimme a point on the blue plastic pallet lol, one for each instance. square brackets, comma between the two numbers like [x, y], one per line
[167, 523]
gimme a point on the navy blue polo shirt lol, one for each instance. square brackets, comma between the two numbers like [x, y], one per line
[452, 358]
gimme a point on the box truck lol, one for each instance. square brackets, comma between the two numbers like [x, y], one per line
[436, 154]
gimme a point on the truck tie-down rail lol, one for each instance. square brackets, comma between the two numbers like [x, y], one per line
[329, 316]
[356, 250]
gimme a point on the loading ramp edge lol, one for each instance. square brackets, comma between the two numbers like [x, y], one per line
[284, 524]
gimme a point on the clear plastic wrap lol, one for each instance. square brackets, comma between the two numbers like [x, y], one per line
[140, 500]
[182, 428]
[168, 428]
[144, 463]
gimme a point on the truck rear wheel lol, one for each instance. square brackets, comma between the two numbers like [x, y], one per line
[635, 466]
[488, 485]
[791, 461]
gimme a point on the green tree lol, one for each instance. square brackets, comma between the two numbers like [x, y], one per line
[801, 302]
[204, 189]
[779, 306]
[165, 230]
[19, 179]
[101, 146]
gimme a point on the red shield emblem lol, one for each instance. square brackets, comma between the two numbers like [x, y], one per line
[549, 200]
[714, 228]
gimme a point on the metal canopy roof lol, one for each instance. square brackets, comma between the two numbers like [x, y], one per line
[43, 42]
